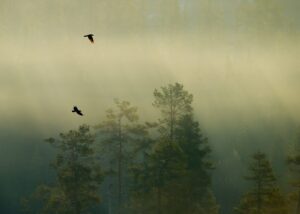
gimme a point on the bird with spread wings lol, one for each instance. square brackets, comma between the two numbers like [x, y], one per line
[90, 37]
[76, 110]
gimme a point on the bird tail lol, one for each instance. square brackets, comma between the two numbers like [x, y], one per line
[73, 110]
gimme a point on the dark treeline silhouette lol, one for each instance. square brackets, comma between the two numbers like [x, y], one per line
[265, 196]
[76, 187]
[125, 166]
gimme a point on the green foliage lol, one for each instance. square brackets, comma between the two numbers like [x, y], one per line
[261, 173]
[293, 162]
[121, 136]
[196, 183]
[170, 174]
[174, 103]
[157, 176]
[76, 189]
[121, 125]
[176, 173]
[265, 196]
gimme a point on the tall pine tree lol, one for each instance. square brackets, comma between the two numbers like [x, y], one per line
[119, 134]
[294, 166]
[173, 102]
[76, 189]
[177, 171]
[264, 197]
[196, 185]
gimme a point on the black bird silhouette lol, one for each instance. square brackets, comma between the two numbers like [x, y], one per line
[90, 37]
[75, 109]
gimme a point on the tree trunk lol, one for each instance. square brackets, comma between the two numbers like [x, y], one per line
[119, 179]
[159, 200]
[120, 170]
[298, 203]
[259, 199]
[74, 194]
[259, 193]
[109, 199]
[172, 121]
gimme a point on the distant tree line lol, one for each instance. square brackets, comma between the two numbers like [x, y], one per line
[124, 166]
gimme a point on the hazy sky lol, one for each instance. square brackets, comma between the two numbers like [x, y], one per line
[240, 88]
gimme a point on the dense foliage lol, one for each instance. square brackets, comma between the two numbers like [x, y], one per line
[161, 167]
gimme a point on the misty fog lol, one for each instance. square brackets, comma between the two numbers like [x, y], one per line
[245, 83]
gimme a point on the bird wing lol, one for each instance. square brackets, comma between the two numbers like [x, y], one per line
[91, 38]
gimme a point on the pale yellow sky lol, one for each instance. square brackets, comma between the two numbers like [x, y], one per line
[245, 83]
[46, 66]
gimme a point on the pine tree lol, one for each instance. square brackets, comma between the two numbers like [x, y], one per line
[294, 165]
[157, 177]
[119, 134]
[176, 171]
[76, 189]
[174, 103]
[196, 186]
[264, 195]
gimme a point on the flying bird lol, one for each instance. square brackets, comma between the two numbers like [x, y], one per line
[90, 37]
[76, 110]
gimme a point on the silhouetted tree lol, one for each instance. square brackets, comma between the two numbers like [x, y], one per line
[76, 189]
[155, 177]
[176, 171]
[196, 188]
[294, 165]
[265, 196]
[120, 134]
[174, 103]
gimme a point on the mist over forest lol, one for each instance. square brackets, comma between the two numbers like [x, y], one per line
[238, 59]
